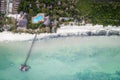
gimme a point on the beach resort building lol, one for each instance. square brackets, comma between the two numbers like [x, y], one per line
[2, 6]
[22, 21]
[9, 6]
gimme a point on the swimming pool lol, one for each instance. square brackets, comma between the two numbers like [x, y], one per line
[72, 58]
[38, 18]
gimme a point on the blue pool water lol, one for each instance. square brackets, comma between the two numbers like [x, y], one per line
[74, 58]
[38, 19]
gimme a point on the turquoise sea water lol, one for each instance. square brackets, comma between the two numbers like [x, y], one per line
[75, 58]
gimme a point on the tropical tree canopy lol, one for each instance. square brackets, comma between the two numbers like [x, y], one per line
[105, 12]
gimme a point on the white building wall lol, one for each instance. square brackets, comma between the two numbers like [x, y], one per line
[9, 8]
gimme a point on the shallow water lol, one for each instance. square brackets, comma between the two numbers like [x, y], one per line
[72, 58]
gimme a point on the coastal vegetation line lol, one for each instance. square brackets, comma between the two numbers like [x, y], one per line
[91, 11]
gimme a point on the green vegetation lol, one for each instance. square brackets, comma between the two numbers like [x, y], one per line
[104, 13]
[50, 7]
[7, 23]
[101, 12]
[1, 21]
[84, 7]
[66, 8]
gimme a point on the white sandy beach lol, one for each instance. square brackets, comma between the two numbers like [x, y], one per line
[64, 31]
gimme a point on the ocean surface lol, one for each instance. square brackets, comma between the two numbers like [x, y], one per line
[70, 58]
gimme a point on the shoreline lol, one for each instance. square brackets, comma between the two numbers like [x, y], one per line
[64, 31]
